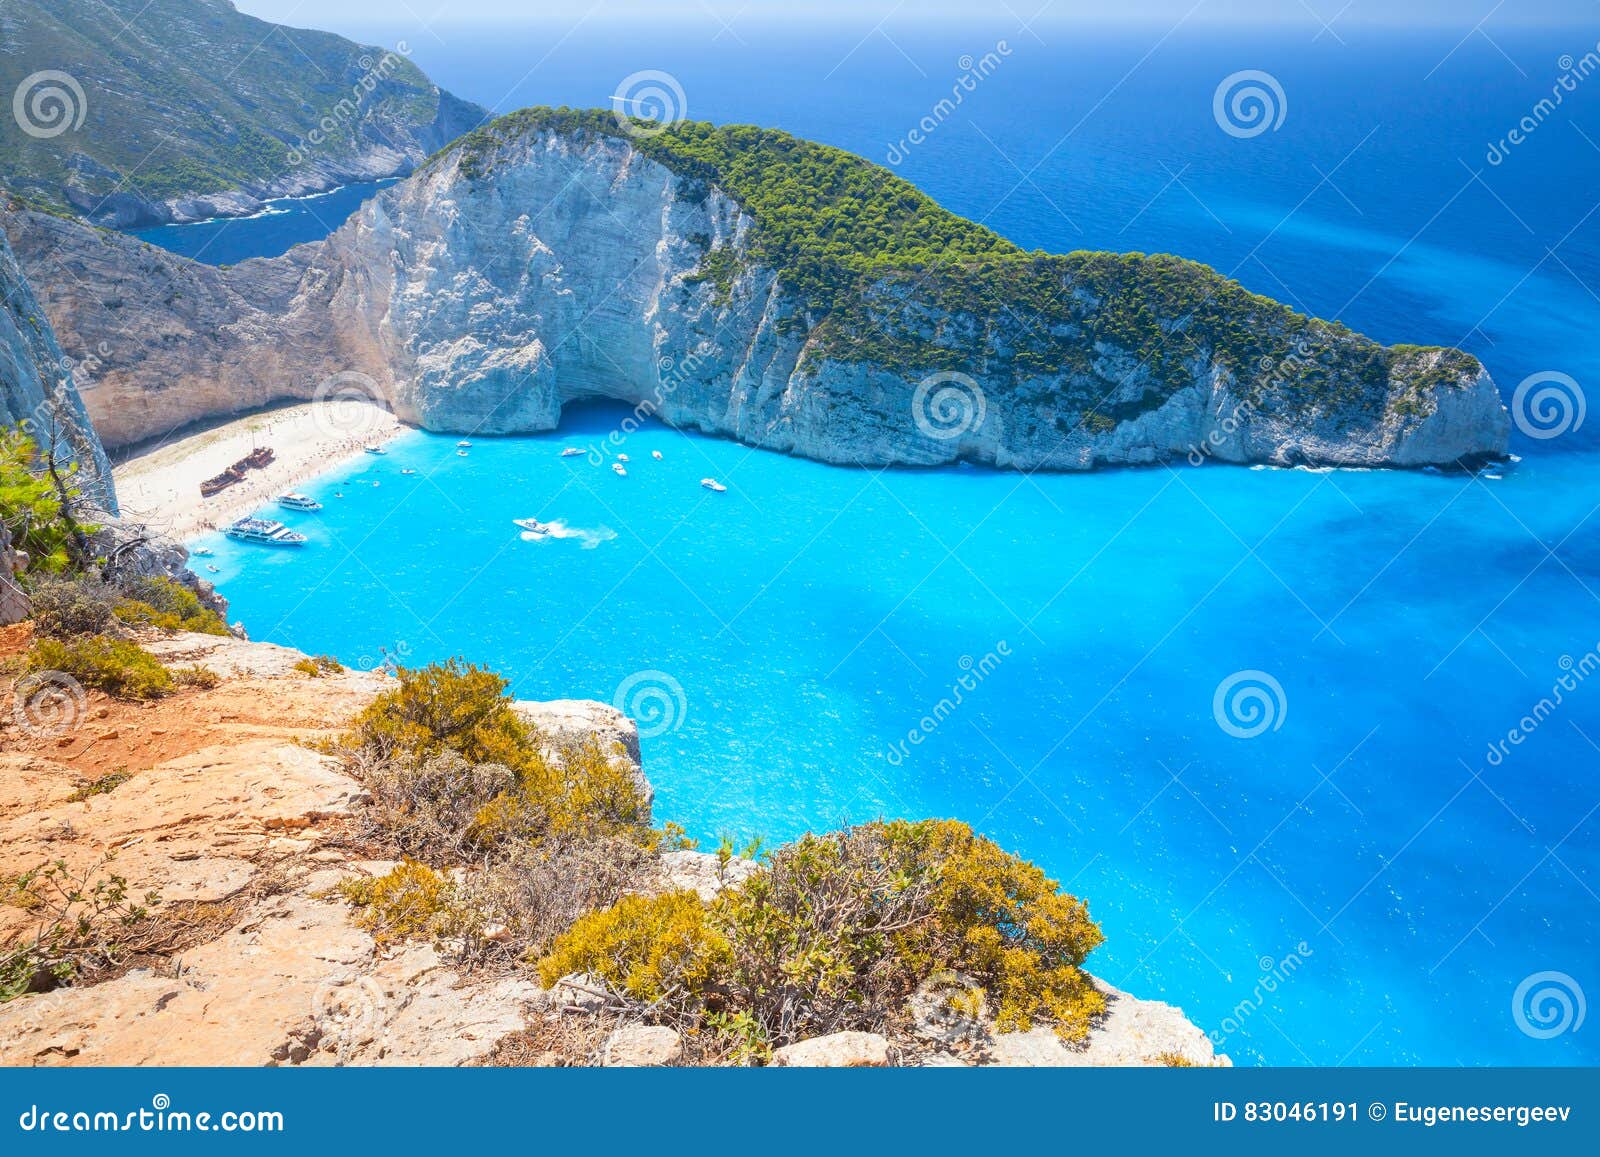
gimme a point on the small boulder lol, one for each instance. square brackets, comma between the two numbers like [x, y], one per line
[640, 1046]
[840, 1050]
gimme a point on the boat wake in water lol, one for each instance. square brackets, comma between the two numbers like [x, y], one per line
[588, 539]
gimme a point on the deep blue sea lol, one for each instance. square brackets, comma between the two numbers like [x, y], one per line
[1362, 882]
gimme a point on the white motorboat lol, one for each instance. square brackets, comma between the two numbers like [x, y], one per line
[571, 452]
[533, 525]
[374, 448]
[294, 500]
[202, 552]
[712, 484]
[623, 458]
[461, 453]
[656, 454]
[619, 469]
[264, 531]
[408, 470]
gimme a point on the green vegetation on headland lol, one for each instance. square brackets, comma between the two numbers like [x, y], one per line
[173, 98]
[883, 274]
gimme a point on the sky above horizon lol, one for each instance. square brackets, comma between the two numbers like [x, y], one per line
[1465, 14]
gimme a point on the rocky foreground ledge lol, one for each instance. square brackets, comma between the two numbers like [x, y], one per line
[225, 809]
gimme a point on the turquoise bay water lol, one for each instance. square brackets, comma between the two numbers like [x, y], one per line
[813, 616]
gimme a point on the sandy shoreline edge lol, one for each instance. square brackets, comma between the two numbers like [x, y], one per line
[160, 485]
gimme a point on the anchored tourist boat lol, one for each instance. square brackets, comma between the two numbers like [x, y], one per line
[202, 552]
[294, 500]
[533, 525]
[464, 443]
[374, 448]
[264, 531]
[712, 484]
[571, 452]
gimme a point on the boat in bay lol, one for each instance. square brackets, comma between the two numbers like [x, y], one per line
[294, 500]
[265, 532]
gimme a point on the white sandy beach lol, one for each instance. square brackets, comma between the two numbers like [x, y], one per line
[161, 485]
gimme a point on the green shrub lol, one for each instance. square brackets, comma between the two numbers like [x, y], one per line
[168, 605]
[316, 666]
[201, 678]
[451, 706]
[115, 666]
[105, 785]
[650, 948]
[412, 901]
[66, 608]
[839, 931]
[80, 923]
[556, 789]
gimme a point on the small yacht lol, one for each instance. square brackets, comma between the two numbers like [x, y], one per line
[619, 469]
[533, 525]
[212, 569]
[461, 453]
[408, 470]
[656, 454]
[464, 444]
[712, 484]
[571, 452]
[623, 458]
[294, 500]
[202, 552]
[264, 531]
[374, 448]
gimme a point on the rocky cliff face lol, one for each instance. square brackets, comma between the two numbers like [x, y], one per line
[36, 385]
[492, 288]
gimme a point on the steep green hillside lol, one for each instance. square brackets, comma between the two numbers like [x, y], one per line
[164, 100]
